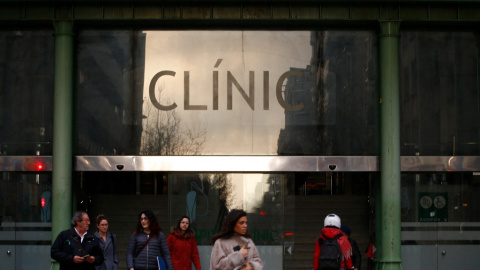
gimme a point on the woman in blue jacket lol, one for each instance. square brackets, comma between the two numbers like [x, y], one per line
[146, 243]
[108, 243]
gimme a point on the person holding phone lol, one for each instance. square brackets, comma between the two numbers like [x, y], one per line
[108, 243]
[76, 249]
[233, 248]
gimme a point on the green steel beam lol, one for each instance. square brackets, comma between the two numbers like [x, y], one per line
[156, 12]
[62, 157]
[237, 1]
[477, 37]
[390, 227]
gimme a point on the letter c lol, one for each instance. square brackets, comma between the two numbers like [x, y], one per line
[280, 99]
[151, 91]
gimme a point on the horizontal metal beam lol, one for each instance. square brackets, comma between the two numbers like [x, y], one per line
[242, 163]
[227, 163]
[145, 12]
[25, 163]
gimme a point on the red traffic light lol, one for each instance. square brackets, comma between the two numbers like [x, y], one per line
[36, 164]
[42, 202]
[39, 166]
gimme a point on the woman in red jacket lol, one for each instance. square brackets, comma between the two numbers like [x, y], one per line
[183, 247]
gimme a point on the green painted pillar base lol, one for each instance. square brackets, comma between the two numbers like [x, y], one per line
[55, 265]
[388, 266]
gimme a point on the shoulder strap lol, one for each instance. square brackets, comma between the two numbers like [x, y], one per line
[144, 245]
[320, 239]
[78, 242]
[338, 236]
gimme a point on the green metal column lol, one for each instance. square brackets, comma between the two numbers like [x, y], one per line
[389, 244]
[62, 129]
[477, 39]
[378, 221]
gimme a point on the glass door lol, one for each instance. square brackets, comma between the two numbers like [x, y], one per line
[283, 222]
[204, 197]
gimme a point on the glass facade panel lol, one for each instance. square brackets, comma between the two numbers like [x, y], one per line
[440, 220]
[439, 79]
[25, 220]
[110, 67]
[233, 93]
[207, 198]
[283, 221]
[26, 92]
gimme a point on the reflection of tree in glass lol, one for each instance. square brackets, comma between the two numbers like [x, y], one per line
[163, 134]
[223, 185]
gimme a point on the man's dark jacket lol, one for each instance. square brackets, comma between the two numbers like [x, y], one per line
[68, 245]
[356, 255]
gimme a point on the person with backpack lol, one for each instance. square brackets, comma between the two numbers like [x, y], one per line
[332, 249]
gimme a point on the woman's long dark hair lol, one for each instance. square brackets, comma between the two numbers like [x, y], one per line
[155, 228]
[188, 232]
[229, 223]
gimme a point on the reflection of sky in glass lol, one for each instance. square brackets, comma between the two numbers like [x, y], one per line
[240, 130]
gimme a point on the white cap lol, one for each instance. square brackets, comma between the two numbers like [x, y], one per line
[332, 220]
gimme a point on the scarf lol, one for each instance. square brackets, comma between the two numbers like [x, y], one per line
[345, 247]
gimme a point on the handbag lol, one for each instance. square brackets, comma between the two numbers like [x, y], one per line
[161, 263]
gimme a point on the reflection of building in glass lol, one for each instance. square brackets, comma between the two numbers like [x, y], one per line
[26, 92]
[339, 113]
[110, 89]
[435, 109]
[300, 134]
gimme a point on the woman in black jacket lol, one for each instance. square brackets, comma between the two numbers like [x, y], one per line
[146, 243]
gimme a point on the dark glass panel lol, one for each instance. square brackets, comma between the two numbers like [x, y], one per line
[439, 93]
[26, 92]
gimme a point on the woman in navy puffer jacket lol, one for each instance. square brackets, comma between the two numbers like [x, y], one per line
[146, 243]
